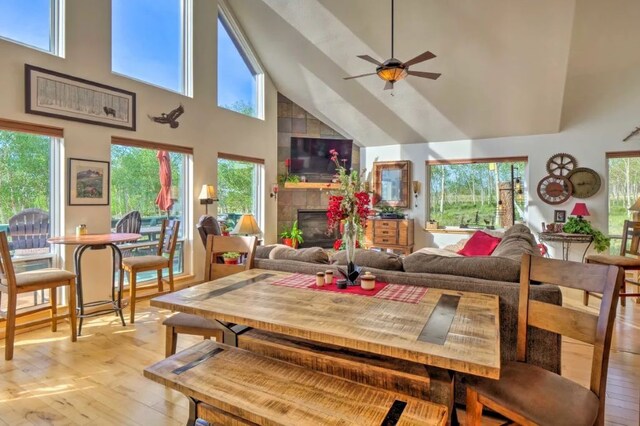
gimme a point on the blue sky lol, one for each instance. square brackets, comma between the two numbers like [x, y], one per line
[146, 43]
[26, 21]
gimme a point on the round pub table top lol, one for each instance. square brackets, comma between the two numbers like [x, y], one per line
[94, 239]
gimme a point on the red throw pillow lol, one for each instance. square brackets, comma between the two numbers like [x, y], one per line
[480, 244]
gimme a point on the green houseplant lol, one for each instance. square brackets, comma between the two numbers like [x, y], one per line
[577, 225]
[292, 237]
[231, 257]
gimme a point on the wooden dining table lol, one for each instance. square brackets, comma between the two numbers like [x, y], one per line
[450, 330]
[97, 242]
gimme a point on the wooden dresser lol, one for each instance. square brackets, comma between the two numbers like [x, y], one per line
[396, 234]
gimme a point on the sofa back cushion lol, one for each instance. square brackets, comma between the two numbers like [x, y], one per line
[484, 267]
[263, 252]
[309, 255]
[370, 259]
[517, 241]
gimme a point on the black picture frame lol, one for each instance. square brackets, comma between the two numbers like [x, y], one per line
[559, 216]
[88, 182]
[53, 94]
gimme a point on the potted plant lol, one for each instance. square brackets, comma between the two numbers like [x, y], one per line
[293, 236]
[577, 225]
[231, 257]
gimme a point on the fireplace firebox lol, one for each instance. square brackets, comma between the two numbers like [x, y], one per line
[313, 224]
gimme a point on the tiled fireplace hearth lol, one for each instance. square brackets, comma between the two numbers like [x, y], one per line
[313, 224]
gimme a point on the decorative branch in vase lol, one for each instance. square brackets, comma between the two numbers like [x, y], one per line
[348, 210]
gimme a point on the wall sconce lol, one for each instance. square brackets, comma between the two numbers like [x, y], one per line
[207, 196]
[274, 191]
[416, 190]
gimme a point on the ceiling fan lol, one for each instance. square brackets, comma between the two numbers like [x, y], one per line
[392, 70]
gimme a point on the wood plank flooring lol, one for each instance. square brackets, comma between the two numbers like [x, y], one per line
[98, 380]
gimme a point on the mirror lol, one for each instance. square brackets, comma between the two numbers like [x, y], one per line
[391, 183]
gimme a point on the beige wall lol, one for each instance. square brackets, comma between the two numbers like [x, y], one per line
[204, 126]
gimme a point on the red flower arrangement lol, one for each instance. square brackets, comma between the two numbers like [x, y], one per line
[340, 245]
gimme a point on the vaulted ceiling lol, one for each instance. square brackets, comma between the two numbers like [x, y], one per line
[503, 64]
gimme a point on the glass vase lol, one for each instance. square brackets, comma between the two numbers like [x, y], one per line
[350, 236]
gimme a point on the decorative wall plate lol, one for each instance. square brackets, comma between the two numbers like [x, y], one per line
[561, 164]
[554, 189]
[585, 182]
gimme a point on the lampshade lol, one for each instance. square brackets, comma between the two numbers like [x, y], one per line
[208, 192]
[580, 210]
[636, 206]
[247, 225]
[392, 73]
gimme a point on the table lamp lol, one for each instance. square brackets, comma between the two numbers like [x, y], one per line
[580, 210]
[247, 225]
[207, 196]
[635, 208]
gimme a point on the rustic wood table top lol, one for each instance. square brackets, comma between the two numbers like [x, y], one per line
[470, 330]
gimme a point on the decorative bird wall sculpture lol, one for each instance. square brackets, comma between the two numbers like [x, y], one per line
[170, 118]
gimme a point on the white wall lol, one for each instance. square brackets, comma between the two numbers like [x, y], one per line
[601, 104]
[204, 126]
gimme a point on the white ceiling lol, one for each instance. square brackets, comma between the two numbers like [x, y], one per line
[503, 64]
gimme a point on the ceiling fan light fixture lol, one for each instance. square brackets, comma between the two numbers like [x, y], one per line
[392, 73]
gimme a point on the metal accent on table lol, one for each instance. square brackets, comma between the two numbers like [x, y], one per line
[197, 362]
[394, 413]
[566, 240]
[437, 327]
[235, 286]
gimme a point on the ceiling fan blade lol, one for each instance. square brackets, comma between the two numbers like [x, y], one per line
[358, 76]
[370, 59]
[388, 85]
[420, 58]
[431, 75]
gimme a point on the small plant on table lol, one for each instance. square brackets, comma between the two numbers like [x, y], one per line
[231, 257]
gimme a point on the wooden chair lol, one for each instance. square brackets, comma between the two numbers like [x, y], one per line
[158, 262]
[130, 223]
[25, 282]
[629, 259]
[530, 395]
[182, 323]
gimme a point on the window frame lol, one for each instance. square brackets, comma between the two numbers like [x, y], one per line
[186, 50]
[56, 30]
[246, 51]
[608, 157]
[259, 178]
[461, 161]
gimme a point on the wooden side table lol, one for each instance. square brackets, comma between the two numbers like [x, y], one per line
[566, 240]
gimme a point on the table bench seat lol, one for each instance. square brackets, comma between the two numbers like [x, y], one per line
[236, 386]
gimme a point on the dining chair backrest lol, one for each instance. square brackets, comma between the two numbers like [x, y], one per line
[168, 237]
[218, 245]
[207, 225]
[130, 223]
[7, 273]
[576, 324]
[630, 239]
[29, 229]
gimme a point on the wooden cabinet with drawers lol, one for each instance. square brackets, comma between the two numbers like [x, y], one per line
[396, 234]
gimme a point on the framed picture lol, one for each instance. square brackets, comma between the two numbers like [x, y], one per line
[88, 182]
[53, 94]
[391, 180]
[560, 216]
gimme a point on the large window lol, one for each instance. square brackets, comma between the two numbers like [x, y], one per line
[136, 180]
[624, 189]
[478, 194]
[28, 212]
[151, 42]
[35, 23]
[240, 189]
[240, 78]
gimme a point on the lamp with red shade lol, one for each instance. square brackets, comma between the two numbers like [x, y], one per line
[580, 210]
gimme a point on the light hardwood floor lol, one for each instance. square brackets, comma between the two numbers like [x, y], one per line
[98, 380]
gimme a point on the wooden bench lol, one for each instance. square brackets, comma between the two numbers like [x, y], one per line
[228, 385]
[409, 378]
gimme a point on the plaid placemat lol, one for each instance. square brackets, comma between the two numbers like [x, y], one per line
[396, 292]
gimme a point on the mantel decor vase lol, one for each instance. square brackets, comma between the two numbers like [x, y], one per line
[350, 237]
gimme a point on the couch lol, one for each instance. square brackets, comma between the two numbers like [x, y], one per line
[489, 274]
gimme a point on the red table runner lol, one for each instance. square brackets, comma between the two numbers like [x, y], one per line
[395, 292]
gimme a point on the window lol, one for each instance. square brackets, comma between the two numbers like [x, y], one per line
[477, 194]
[29, 200]
[35, 23]
[624, 187]
[135, 184]
[151, 42]
[240, 77]
[240, 189]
